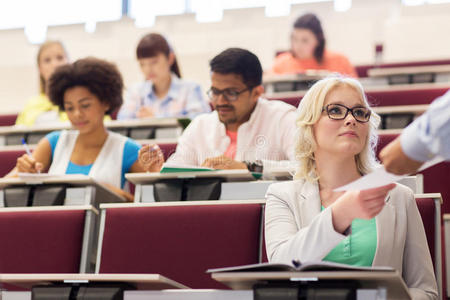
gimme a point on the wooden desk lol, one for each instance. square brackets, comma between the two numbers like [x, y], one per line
[82, 190]
[396, 287]
[141, 281]
[368, 89]
[234, 180]
[412, 75]
[138, 129]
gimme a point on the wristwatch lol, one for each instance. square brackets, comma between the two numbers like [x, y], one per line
[256, 166]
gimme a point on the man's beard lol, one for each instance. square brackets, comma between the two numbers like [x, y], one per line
[228, 121]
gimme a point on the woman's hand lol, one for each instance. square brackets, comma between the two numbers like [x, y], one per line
[365, 204]
[145, 112]
[151, 158]
[27, 164]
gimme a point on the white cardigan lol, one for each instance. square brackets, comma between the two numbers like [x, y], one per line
[108, 164]
[269, 135]
[296, 228]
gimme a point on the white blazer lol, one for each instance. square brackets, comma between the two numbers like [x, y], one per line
[269, 136]
[296, 228]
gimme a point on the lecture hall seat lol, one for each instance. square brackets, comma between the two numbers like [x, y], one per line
[8, 119]
[41, 241]
[435, 178]
[388, 97]
[8, 160]
[362, 70]
[179, 241]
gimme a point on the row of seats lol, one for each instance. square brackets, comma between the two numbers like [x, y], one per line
[178, 241]
[434, 182]
[388, 97]
[362, 70]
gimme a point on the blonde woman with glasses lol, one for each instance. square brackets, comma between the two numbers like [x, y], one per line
[306, 220]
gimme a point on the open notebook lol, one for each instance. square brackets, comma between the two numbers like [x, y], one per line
[172, 168]
[298, 267]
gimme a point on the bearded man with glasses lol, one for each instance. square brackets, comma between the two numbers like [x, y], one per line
[245, 131]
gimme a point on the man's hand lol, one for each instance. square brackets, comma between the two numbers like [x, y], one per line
[224, 163]
[396, 161]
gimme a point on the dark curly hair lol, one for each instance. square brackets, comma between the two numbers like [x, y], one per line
[100, 77]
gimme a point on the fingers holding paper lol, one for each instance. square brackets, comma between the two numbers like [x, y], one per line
[151, 158]
[396, 161]
[364, 204]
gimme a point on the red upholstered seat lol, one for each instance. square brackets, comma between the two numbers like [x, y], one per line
[8, 120]
[41, 241]
[168, 149]
[404, 97]
[8, 160]
[180, 242]
[389, 97]
[435, 178]
[427, 211]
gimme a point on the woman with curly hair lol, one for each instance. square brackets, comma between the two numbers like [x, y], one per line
[86, 90]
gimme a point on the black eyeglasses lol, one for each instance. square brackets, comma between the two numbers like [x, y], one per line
[228, 94]
[340, 112]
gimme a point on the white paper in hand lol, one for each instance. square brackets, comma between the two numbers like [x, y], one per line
[377, 178]
[380, 177]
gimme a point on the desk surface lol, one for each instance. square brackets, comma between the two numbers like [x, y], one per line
[141, 281]
[396, 287]
[369, 89]
[72, 179]
[231, 175]
[308, 75]
[181, 203]
[151, 122]
[398, 109]
[381, 72]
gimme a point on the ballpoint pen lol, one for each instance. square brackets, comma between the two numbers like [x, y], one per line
[27, 149]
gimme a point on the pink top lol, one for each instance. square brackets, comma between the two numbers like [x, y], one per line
[231, 150]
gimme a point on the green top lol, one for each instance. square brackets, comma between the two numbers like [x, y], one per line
[357, 249]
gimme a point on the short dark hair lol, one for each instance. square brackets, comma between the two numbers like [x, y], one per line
[151, 45]
[241, 62]
[100, 77]
[311, 22]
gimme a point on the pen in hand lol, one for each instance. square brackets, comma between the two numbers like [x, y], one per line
[27, 150]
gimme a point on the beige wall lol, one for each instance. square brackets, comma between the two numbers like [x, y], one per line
[408, 33]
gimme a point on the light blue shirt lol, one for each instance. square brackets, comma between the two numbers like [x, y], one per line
[183, 100]
[429, 135]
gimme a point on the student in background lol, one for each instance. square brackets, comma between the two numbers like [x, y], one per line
[163, 93]
[245, 131]
[306, 220]
[39, 109]
[86, 90]
[308, 51]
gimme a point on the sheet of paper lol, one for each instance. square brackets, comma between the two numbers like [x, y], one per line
[377, 178]
[380, 177]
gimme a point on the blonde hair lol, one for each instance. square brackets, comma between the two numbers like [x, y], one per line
[47, 44]
[309, 112]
